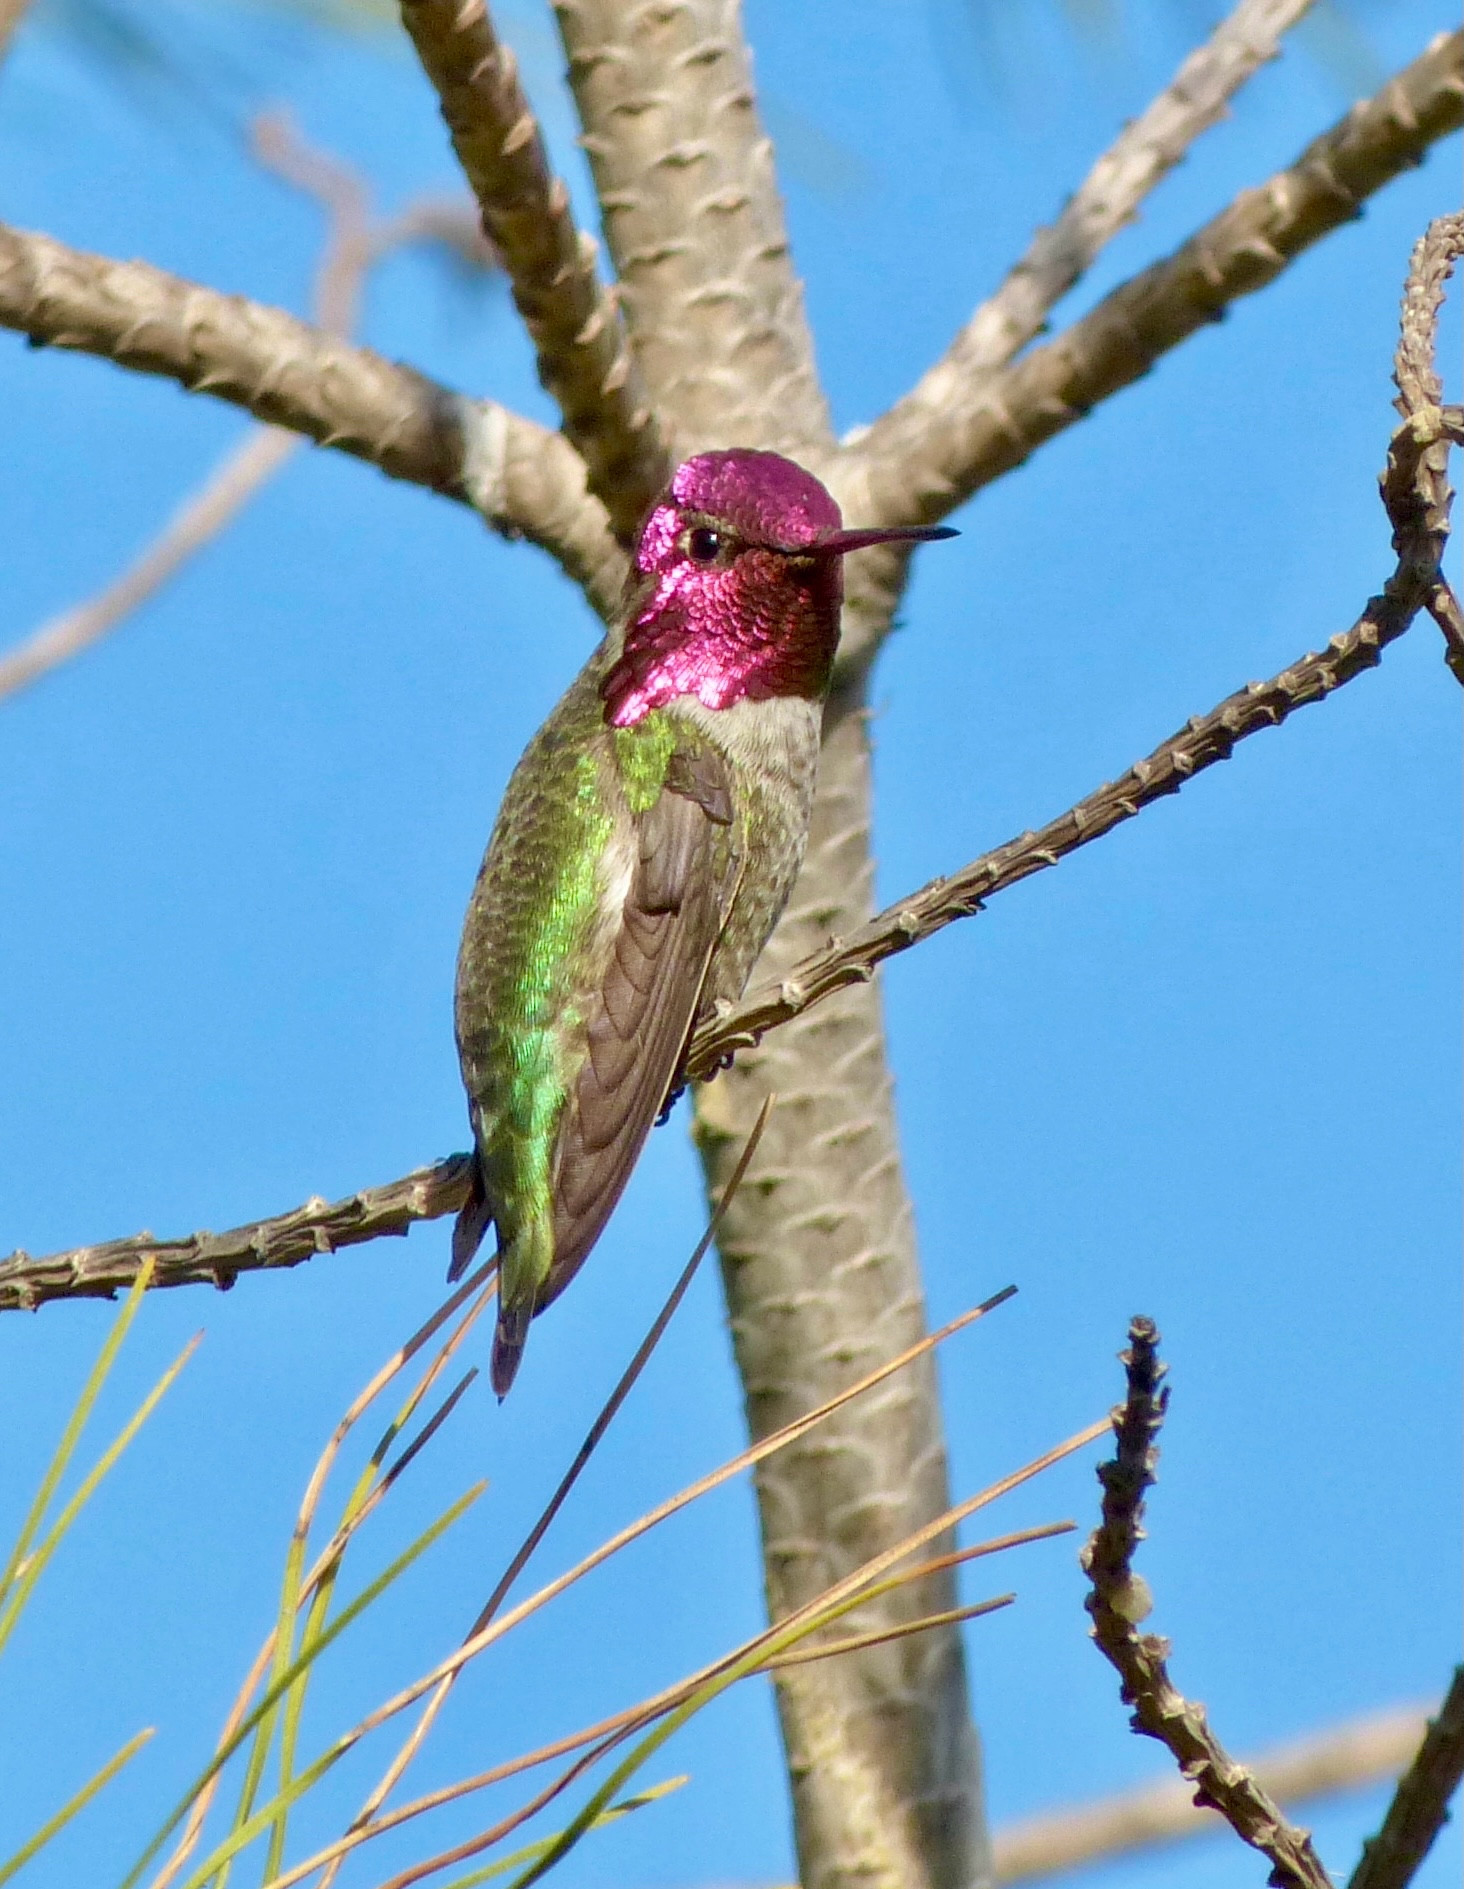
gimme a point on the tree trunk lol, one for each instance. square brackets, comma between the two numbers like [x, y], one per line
[818, 1250]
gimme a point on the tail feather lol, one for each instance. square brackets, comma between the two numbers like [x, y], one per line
[508, 1347]
[475, 1216]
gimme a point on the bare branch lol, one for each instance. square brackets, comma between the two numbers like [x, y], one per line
[11, 14]
[584, 357]
[230, 486]
[525, 480]
[1415, 372]
[97, 1272]
[919, 464]
[1415, 485]
[1119, 1599]
[1419, 1808]
[452, 223]
[341, 192]
[1343, 1758]
[202, 516]
[1144, 152]
[1199, 744]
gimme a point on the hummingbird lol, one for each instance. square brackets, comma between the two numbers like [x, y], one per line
[646, 845]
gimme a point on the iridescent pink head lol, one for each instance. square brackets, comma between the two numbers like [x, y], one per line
[736, 587]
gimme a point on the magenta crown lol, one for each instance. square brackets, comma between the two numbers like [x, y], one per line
[767, 500]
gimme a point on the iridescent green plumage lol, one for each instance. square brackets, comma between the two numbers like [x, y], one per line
[599, 879]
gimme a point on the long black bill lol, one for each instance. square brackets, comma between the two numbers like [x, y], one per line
[842, 541]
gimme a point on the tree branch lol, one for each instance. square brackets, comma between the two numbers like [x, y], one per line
[1415, 485]
[351, 247]
[1200, 744]
[525, 480]
[584, 357]
[1343, 1758]
[1057, 257]
[915, 464]
[200, 518]
[11, 14]
[1144, 152]
[1120, 1599]
[819, 1264]
[217, 1259]
[1419, 1809]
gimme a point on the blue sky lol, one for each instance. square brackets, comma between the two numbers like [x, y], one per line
[1208, 1069]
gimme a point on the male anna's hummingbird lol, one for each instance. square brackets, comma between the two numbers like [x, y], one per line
[645, 847]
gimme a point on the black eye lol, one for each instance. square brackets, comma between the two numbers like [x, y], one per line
[704, 546]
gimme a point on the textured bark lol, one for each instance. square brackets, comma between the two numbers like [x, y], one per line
[937, 446]
[217, 1259]
[880, 1748]
[1204, 741]
[693, 220]
[584, 358]
[524, 479]
[881, 1753]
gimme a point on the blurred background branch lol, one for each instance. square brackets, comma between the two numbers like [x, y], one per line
[1344, 1757]
[354, 243]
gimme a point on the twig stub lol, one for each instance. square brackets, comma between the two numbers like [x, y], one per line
[1118, 1600]
[1126, 1479]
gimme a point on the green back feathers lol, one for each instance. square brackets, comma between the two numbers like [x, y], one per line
[533, 918]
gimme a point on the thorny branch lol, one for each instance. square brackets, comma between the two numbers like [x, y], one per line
[1415, 486]
[1119, 1600]
[584, 355]
[693, 220]
[525, 480]
[1199, 744]
[1144, 153]
[217, 1259]
[1418, 506]
[915, 463]
[1419, 1808]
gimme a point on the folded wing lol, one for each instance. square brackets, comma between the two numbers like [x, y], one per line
[641, 1019]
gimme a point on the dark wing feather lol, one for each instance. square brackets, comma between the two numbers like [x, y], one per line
[640, 1021]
